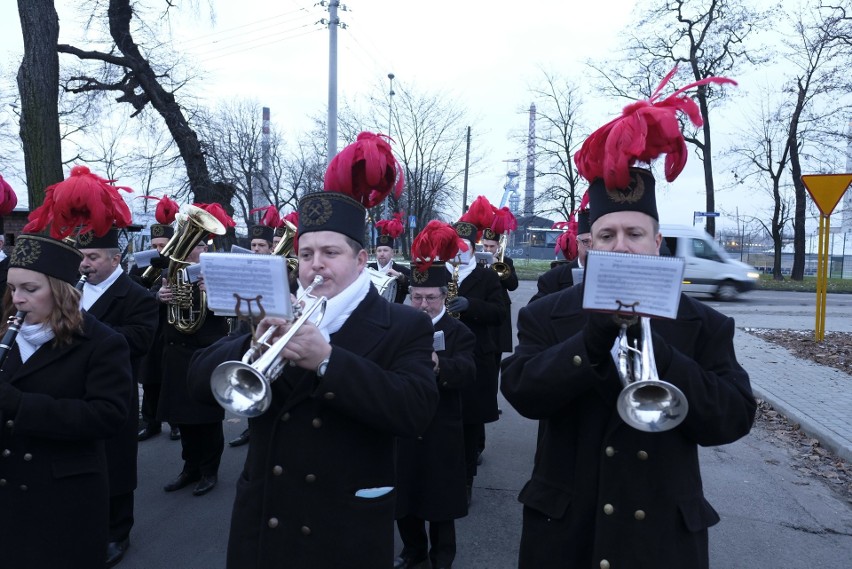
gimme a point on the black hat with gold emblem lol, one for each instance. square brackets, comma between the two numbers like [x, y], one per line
[47, 256]
[264, 232]
[645, 130]
[89, 240]
[583, 225]
[436, 275]
[359, 177]
[159, 230]
[466, 231]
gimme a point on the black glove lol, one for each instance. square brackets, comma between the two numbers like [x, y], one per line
[458, 304]
[161, 262]
[599, 335]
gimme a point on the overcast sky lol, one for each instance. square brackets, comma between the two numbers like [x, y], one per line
[485, 55]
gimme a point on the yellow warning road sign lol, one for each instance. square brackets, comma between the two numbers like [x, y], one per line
[827, 189]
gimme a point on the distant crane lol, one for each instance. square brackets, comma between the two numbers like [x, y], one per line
[510, 188]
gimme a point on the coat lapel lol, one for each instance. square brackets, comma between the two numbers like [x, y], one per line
[42, 357]
[114, 293]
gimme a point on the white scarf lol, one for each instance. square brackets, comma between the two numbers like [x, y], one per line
[31, 337]
[384, 270]
[440, 315]
[338, 309]
[91, 292]
[466, 265]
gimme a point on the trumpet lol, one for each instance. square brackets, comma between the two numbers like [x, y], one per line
[646, 402]
[284, 248]
[244, 387]
[499, 265]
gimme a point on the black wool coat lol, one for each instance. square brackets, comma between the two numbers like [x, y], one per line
[556, 279]
[504, 332]
[54, 499]
[601, 489]
[484, 317]
[130, 310]
[324, 439]
[402, 283]
[431, 475]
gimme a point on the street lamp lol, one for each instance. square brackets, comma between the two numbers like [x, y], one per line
[390, 125]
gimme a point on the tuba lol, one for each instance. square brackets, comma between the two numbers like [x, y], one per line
[185, 312]
[244, 387]
[285, 247]
[500, 267]
[646, 403]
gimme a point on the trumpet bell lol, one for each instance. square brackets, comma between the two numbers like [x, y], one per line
[652, 406]
[240, 389]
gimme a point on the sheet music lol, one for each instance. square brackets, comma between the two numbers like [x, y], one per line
[249, 276]
[438, 341]
[648, 285]
[578, 273]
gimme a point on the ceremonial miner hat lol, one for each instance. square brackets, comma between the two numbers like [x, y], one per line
[437, 243]
[48, 256]
[262, 232]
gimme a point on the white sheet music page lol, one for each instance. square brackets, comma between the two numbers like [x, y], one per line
[648, 285]
[231, 275]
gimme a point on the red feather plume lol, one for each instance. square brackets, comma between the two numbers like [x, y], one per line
[82, 202]
[167, 209]
[645, 130]
[567, 242]
[438, 242]
[480, 213]
[504, 221]
[271, 217]
[292, 217]
[391, 227]
[8, 197]
[366, 170]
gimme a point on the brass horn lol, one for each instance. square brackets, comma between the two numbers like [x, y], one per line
[244, 387]
[285, 247]
[646, 403]
[500, 267]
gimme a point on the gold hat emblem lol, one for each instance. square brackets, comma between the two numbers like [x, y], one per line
[157, 231]
[316, 211]
[632, 193]
[84, 239]
[26, 253]
[418, 276]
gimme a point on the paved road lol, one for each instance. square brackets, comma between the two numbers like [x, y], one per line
[773, 516]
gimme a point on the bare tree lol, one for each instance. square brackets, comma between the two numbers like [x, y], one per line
[820, 52]
[38, 85]
[761, 157]
[708, 37]
[559, 133]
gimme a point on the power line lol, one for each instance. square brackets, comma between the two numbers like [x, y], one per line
[252, 44]
[226, 33]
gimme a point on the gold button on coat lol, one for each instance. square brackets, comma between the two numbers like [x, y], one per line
[28, 457]
[642, 455]
[277, 470]
[24, 488]
[608, 509]
[2, 481]
[310, 478]
[317, 423]
[10, 423]
[610, 451]
[577, 360]
[285, 417]
[604, 564]
[272, 523]
[6, 452]
[306, 530]
[329, 395]
[639, 515]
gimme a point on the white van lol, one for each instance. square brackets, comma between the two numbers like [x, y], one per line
[709, 269]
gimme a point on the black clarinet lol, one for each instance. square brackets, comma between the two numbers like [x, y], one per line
[15, 323]
[83, 278]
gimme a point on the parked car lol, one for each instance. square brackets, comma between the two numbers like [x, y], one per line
[709, 269]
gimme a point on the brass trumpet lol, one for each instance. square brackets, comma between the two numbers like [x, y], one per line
[500, 267]
[646, 403]
[244, 387]
[285, 247]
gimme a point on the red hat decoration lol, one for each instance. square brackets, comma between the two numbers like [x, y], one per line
[166, 211]
[270, 218]
[566, 243]
[437, 242]
[81, 203]
[393, 228]
[8, 198]
[365, 170]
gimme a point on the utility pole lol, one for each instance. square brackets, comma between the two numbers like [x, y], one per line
[385, 206]
[466, 162]
[333, 23]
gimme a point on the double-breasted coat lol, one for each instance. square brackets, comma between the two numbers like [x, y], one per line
[324, 439]
[483, 317]
[54, 493]
[556, 279]
[431, 473]
[505, 338]
[130, 310]
[401, 283]
[601, 490]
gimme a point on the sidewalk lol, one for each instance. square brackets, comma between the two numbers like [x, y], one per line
[818, 398]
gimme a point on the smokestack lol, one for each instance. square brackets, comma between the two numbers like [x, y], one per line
[529, 187]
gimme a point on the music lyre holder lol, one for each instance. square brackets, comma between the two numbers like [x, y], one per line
[249, 316]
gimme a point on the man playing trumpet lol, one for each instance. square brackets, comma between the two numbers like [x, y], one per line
[318, 488]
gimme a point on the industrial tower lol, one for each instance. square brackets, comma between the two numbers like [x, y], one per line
[510, 188]
[529, 187]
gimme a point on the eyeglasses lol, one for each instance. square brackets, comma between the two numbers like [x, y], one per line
[418, 299]
[586, 242]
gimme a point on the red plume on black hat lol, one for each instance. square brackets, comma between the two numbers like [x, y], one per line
[270, 218]
[166, 211]
[81, 203]
[645, 130]
[365, 170]
[8, 198]
[393, 228]
[437, 242]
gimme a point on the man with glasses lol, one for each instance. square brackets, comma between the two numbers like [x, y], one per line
[560, 276]
[431, 468]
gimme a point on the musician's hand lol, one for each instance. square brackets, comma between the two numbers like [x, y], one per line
[165, 294]
[201, 286]
[393, 273]
[458, 304]
[437, 368]
[266, 323]
[307, 348]
[599, 334]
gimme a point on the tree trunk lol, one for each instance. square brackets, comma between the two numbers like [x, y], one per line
[798, 272]
[120, 13]
[38, 84]
[710, 221]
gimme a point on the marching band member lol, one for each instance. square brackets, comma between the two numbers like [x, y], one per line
[574, 245]
[65, 388]
[431, 473]
[202, 437]
[390, 230]
[480, 304]
[128, 308]
[602, 493]
[317, 490]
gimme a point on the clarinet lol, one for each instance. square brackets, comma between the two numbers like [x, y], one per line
[83, 278]
[15, 323]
